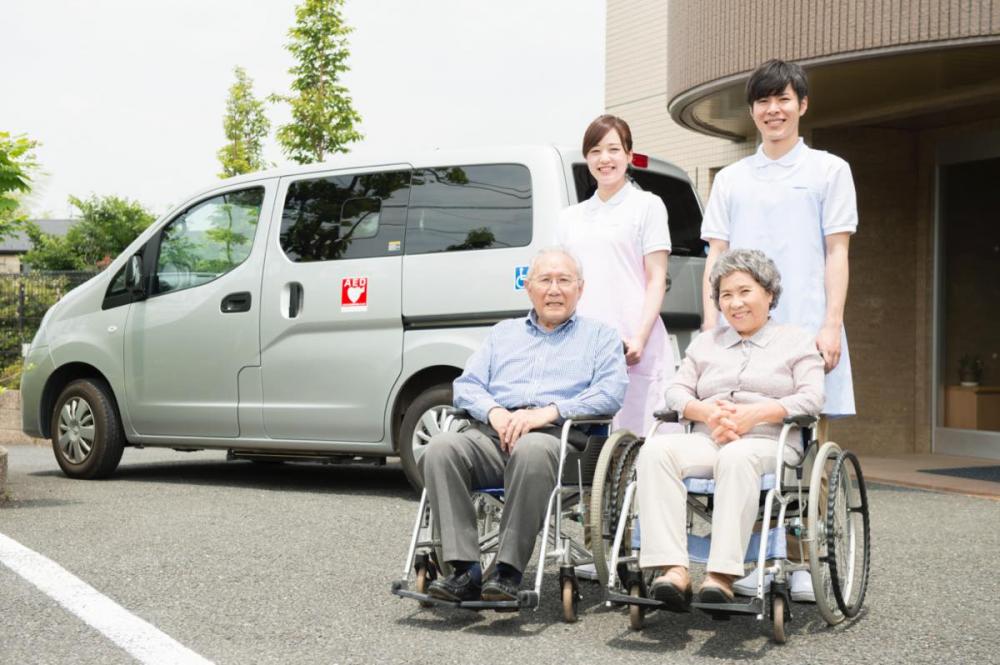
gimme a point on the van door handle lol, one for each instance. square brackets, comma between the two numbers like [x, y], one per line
[294, 299]
[236, 302]
[670, 283]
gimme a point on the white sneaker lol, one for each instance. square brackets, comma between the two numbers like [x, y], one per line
[801, 587]
[748, 585]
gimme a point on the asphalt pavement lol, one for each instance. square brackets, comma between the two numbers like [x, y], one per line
[252, 563]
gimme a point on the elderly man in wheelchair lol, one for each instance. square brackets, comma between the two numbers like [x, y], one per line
[750, 393]
[529, 375]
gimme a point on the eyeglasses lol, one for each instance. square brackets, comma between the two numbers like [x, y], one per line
[563, 281]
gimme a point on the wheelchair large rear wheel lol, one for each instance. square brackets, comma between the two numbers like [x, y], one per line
[816, 541]
[848, 535]
[615, 466]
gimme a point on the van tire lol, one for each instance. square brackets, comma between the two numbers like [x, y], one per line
[91, 432]
[434, 398]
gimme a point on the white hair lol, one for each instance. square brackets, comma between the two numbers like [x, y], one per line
[556, 249]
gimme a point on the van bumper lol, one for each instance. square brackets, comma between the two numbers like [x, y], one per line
[38, 367]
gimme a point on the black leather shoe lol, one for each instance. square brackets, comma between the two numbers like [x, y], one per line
[501, 587]
[455, 588]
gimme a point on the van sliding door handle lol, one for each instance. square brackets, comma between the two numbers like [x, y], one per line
[236, 302]
[294, 299]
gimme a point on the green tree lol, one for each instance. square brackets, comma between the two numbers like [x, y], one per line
[107, 225]
[17, 161]
[323, 116]
[246, 127]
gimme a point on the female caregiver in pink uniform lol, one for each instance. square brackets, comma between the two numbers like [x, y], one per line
[621, 236]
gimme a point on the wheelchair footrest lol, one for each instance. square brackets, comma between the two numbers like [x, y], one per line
[755, 606]
[525, 600]
[626, 599]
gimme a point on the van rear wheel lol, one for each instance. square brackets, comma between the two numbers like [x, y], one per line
[423, 419]
[87, 436]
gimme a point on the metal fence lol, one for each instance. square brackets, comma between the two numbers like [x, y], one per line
[24, 299]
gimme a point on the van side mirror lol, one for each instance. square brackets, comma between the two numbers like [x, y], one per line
[133, 275]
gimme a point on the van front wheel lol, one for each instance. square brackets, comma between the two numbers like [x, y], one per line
[423, 419]
[87, 436]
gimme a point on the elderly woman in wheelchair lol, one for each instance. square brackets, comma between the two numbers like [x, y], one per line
[736, 386]
[750, 393]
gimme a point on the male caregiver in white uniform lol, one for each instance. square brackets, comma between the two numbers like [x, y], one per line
[798, 206]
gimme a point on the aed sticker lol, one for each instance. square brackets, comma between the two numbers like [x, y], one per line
[354, 294]
[520, 275]
[394, 246]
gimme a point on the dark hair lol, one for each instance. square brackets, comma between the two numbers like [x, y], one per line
[772, 77]
[598, 129]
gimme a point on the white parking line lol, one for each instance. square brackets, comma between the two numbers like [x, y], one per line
[142, 640]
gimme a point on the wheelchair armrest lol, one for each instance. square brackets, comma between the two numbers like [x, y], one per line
[667, 416]
[801, 421]
[588, 420]
[456, 412]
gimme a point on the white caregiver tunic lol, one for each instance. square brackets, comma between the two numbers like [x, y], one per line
[786, 207]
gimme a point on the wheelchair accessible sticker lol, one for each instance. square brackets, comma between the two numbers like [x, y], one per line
[354, 294]
[520, 274]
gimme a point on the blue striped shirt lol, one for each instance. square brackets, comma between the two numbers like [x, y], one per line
[579, 367]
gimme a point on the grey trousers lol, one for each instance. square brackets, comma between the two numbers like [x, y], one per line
[455, 463]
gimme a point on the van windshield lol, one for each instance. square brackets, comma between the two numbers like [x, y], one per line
[683, 211]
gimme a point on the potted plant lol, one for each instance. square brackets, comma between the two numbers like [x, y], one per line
[970, 370]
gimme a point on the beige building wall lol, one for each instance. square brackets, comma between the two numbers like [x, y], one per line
[636, 89]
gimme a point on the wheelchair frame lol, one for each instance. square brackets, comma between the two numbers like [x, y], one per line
[425, 559]
[827, 537]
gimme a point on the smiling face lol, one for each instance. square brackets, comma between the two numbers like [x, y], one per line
[554, 288]
[777, 116]
[744, 302]
[608, 162]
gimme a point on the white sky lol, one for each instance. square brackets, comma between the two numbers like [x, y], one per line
[127, 96]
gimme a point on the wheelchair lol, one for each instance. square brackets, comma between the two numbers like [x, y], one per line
[579, 505]
[829, 518]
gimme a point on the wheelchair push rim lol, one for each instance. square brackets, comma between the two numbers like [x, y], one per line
[848, 534]
[839, 534]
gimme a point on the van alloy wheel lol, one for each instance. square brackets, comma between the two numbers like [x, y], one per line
[76, 430]
[87, 435]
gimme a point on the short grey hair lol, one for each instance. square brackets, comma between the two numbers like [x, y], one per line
[556, 249]
[751, 261]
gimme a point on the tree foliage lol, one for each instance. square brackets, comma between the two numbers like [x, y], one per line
[17, 161]
[246, 127]
[323, 116]
[108, 224]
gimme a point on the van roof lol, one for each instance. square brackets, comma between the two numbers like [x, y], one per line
[362, 158]
[436, 157]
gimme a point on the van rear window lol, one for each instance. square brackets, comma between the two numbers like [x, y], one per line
[683, 211]
[458, 208]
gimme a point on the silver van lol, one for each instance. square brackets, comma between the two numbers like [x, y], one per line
[318, 312]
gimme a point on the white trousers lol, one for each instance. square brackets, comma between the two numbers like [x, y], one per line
[663, 464]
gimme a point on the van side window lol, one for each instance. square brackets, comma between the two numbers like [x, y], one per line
[683, 211]
[208, 240]
[469, 207]
[345, 216]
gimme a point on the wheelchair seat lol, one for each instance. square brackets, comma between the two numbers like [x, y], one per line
[707, 485]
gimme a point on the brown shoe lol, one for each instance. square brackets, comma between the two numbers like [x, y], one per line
[673, 589]
[716, 589]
